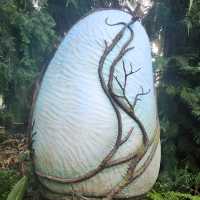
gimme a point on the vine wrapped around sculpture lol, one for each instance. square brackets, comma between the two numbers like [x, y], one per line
[122, 101]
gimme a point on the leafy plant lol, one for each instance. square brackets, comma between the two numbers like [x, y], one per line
[172, 196]
[19, 189]
[26, 39]
[8, 179]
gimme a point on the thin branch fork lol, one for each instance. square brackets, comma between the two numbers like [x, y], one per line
[138, 95]
[123, 88]
[127, 137]
[130, 107]
[126, 75]
[125, 49]
[131, 113]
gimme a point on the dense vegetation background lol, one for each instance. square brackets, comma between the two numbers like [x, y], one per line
[29, 34]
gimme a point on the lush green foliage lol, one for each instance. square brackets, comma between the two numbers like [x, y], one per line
[178, 99]
[8, 179]
[26, 39]
[172, 196]
[179, 104]
[67, 12]
[19, 189]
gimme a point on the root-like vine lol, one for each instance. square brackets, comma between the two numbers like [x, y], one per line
[119, 101]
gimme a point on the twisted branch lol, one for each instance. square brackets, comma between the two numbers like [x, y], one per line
[131, 173]
[132, 156]
[119, 141]
[118, 100]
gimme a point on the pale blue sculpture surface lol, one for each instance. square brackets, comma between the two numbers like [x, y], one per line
[75, 124]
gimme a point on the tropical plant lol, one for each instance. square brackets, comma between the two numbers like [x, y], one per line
[26, 39]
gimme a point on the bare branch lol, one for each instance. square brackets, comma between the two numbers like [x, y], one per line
[127, 136]
[138, 95]
[133, 72]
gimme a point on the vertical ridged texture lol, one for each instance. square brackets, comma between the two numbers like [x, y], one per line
[75, 124]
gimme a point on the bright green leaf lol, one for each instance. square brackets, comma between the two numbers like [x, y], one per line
[19, 189]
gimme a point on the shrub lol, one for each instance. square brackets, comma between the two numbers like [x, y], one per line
[8, 178]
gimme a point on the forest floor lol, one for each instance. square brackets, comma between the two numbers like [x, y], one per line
[11, 151]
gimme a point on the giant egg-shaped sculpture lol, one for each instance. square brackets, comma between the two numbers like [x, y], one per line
[95, 128]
